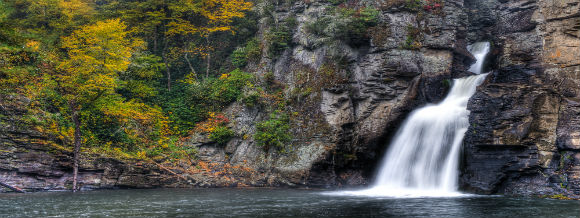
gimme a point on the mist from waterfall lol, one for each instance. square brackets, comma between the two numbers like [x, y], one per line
[423, 158]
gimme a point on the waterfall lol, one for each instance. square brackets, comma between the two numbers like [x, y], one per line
[424, 155]
[479, 50]
[423, 158]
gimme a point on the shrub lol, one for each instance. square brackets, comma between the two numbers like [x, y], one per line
[181, 110]
[318, 26]
[413, 40]
[355, 31]
[414, 5]
[228, 87]
[173, 152]
[269, 77]
[345, 24]
[239, 57]
[278, 39]
[273, 132]
[337, 2]
[221, 135]
[195, 100]
[216, 127]
[253, 50]
[216, 93]
[250, 52]
[428, 6]
[251, 98]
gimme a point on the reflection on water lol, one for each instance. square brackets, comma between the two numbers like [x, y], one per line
[270, 203]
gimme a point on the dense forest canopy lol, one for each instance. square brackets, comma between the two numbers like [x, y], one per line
[125, 77]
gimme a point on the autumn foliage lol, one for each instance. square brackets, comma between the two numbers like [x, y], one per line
[94, 72]
[123, 78]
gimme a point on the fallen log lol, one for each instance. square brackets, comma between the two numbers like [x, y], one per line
[12, 188]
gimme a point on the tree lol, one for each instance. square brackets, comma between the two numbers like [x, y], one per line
[95, 55]
[141, 77]
[93, 85]
[147, 19]
[212, 16]
[47, 20]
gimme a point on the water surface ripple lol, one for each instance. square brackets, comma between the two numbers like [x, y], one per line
[256, 203]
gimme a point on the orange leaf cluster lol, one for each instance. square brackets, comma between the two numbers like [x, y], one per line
[215, 120]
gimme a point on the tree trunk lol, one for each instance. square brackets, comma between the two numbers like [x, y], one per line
[77, 146]
[208, 58]
[15, 189]
[155, 40]
[168, 73]
[163, 50]
[190, 66]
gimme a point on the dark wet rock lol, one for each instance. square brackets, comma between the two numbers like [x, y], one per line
[524, 138]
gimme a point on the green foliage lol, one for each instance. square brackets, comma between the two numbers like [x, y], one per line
[250, 52]
[141, 77]
[414, 37]
[7, 33]
[278, 39]
[345, 24]
[220, 91]
[318, 26]
[251, 98]
[253, 50]
[190, 103]
[355, 31]
[221, 135]
[239, 57]
[273, 132]
[172, 152]
[564, 157]
[269, 77]
[110, 62]
[182, 112]
[337, 2]
[414, 5]
[446, 83]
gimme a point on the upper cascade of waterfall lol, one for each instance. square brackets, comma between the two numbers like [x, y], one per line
[423, 158]
[479, 50]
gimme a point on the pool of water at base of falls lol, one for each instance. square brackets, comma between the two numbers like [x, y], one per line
[264, 202]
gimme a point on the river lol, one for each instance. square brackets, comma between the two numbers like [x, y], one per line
[256, 203]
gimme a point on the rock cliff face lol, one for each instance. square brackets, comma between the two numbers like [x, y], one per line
[524, 134]
[27, 160]
[348, 98]
[359, 92]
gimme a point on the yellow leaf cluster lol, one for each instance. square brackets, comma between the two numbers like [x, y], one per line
[33, 45]
[219, 15]
[72, 8]
[140, 120]
[95, 54]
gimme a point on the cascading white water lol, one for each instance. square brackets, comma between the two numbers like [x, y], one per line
[424, 155]
[423, 158]
[479, 50]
